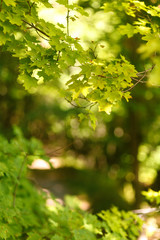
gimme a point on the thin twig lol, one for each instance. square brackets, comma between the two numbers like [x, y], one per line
[84, 98]
[58, 55]
[30, 7]
[138, 81]
[59, 149]
[93, 52]
[68, 11]
[93, 104]
[33, 26]
[147, 70]
[42, 32]
[41, 36]
[18, 178]
[76, 106]
[106, 76]
[29, 4]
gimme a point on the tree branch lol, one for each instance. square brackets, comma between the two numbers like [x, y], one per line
[37, 29]
[138, 81]
[41, 36]
[30, 6]
[147, 70]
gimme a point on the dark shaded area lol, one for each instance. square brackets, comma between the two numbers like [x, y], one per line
[101, 191]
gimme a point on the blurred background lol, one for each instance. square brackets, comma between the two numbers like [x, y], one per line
[105, 167]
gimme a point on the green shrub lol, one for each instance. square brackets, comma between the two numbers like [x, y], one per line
[25, 215]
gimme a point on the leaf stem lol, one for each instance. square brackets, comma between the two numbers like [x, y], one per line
[68, 11]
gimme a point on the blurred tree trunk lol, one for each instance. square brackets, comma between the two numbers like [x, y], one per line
[134, 144]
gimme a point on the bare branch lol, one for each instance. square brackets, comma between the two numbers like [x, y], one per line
[52, 152]
[137, 80]
[147, 70]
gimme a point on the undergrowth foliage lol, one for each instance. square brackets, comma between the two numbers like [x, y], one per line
[25, 215]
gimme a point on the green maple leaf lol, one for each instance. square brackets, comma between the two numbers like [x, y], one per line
[10, 2]
[93, 120]
[34, 236]
[15, 19]
[4, 231]
[128, 29]
[83, 234]
[57, 237]
[3, 169]
[105, 107]
[3, 38]
[28, 81]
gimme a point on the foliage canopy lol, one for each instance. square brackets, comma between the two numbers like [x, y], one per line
[98, 82]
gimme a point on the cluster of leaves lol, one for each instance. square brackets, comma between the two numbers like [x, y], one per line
[144, 21]
[111, 224]
[152, 196]
[21, 33]
[98, 82]
[23, 210]
[19, 202]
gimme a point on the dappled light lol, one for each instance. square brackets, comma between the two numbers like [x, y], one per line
[79, 120]
[39, 164]
[129, 193]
